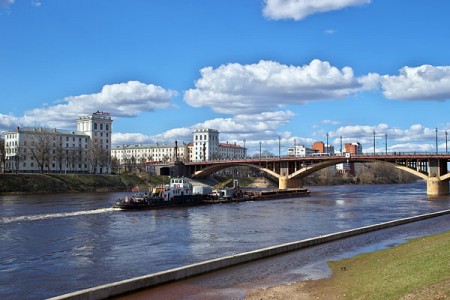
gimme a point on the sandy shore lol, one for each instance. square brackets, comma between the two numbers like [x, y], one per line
[304, 290]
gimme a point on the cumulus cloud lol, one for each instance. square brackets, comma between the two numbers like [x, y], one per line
[299, 9]
[415, 138]
[269, 85]
[252, 128]
[7, 122]
[425, 82]
[127, 99]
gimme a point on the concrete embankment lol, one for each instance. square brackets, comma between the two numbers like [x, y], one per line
[108, 290]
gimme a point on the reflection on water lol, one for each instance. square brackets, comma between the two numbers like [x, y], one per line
[54, 244]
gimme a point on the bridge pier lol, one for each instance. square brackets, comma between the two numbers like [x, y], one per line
[285, 183]
[435, 186]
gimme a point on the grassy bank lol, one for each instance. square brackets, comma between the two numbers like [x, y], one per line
[63, 183]
[419, 269]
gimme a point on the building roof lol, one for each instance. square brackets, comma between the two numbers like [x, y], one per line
[37, 130]
[227, 145]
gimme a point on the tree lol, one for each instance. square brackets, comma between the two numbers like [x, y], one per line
[60, 155]
[94, 155]
[2, 155]
[40, 147]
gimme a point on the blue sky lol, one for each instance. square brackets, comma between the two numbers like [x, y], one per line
[252, 69]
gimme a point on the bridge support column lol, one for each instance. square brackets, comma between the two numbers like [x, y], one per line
[285, 183]
[436, 186]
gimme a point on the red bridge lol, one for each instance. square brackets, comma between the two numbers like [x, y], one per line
[290, 170]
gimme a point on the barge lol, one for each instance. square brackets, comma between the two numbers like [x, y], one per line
[179, 192]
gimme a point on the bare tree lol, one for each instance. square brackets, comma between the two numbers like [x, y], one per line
[115, 165]
[60, 156]
[94, 154]
[2, 155]
[40, 147]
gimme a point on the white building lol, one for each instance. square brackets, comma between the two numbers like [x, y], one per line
[205, 144]
[300, 151]
[141, 153]
[86, 150]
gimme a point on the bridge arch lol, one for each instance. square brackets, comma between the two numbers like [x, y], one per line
[214, 168]
[308, 170]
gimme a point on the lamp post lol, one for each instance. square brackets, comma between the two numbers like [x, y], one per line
[326, 149]
[374, 142]
[385, 138]
[244, 148]
[259, 149]
[341, 144]
[446, 149]
[436, 141]
[279, 146]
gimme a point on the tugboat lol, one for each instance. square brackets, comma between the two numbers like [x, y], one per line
[177, 193]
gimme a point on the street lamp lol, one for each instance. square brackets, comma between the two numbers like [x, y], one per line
[279, 146]
[259, 149]
[436, 141]
[446, 149]
[385, 138]
[326, 151]
[341, 144]
[244, 148]
[374, 142]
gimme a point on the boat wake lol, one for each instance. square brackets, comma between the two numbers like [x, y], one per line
[6, 220]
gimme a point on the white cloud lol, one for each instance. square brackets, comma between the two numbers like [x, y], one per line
[425, 82]
[415, 138]
[299, 9]
[7, 122]
[127, 99]
[269, 86]
[6, 3]
[331, 122]
[253, 128]
[130, 138]
[36, 3]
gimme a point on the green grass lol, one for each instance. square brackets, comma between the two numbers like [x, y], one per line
[420, 268]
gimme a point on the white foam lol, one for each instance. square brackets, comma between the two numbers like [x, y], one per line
[5, 220]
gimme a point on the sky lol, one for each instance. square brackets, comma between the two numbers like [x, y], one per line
[275, 73]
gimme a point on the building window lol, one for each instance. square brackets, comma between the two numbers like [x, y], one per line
[95, 126]
[101, 126]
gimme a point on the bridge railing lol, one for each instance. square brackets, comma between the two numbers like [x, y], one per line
[324, 156]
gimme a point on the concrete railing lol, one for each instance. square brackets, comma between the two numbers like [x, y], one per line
[129, 285]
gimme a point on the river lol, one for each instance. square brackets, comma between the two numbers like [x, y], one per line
[55, 244]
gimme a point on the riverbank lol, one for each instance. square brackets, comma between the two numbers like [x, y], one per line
[418, 269]
[66, 183]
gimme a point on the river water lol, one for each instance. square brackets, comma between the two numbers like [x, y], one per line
[55, 244]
